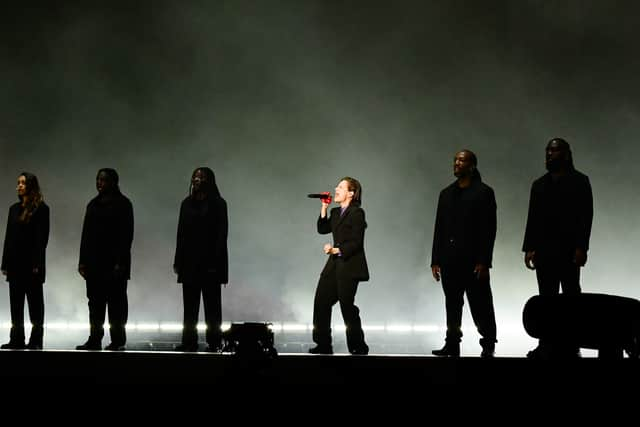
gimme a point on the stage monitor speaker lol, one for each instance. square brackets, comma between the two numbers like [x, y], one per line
[608, 323]
[250, 339]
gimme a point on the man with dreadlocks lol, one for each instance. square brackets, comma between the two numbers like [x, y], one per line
[105, 261]
[558, 227]
[201, 260]
[463, 239]
[23, 261]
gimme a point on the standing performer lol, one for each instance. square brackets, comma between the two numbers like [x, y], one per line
[463, 239]
[201, 260]
[23, 261]
[105, 261]
[346, 266]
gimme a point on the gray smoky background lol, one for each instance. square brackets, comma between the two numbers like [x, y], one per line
[283, 98]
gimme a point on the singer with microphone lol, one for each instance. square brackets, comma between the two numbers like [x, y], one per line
[346, 266]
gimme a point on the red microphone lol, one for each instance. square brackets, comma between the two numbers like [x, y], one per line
[325, 196]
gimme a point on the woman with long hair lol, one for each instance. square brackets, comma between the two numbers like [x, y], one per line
[23, 261]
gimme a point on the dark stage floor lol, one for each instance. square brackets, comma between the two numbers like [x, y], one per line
[164, 367]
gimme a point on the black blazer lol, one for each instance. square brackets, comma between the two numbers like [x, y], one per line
[465, 228]
[201, 248]
[348, 235]
[25, 244]
[107, 235]
[560, 215]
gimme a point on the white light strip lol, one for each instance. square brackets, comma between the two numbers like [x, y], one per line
[172, 327]
[398, 328]
[295, 327]
[275, 327]
[373, 328]
[426, 328]
[143, 326]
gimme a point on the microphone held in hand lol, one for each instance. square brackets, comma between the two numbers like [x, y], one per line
[324, 196]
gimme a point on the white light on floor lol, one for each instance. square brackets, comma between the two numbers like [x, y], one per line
[276, 327]
[294, 327]
[170, 327]
[426, 328]
[57, 326]
[398, 328]
[144, 326]
[78, 326]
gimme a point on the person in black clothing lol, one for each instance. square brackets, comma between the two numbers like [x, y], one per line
[463, 239]
[201, 260]
[23, 261]
[558, 229]
[105, 261]
[346, 266]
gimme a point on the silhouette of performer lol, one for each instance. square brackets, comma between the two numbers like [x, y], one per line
[23, 261]
[346, 266]
[105, 261]
[201, 260]
[463, 239]
[558, 229]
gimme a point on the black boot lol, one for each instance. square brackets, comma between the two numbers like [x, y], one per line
[91, 344]
[449, 350]
[488, 348]
[321, 349]
[13, 345]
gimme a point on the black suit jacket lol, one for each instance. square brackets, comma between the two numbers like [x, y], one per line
[107, 235]
[25, 244]
[201, 246]
[348, 235]
[560, 216]
[465, 228]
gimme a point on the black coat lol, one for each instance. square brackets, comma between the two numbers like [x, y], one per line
[107, 235]
[25, 244]
[348, 235]
[465, 228]
[201, 248]
[560, 215]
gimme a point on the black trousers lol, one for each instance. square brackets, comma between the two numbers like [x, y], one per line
[212, 299]
[456, 281]
[108, 294]
[552, 274]
[33, 291]
[329, 291]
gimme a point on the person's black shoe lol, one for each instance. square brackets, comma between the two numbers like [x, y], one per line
[34, 346]
[90, 345]
[189, 348]
[449, 350]
[321, 349]
[362, 351]
[487, 353]
[538, 353]
[213, 349]
[13, 346]
[115, 347]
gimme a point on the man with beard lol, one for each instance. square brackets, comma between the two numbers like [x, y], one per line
[558, 228]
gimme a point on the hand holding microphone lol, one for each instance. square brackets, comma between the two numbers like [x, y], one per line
[325, 197]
